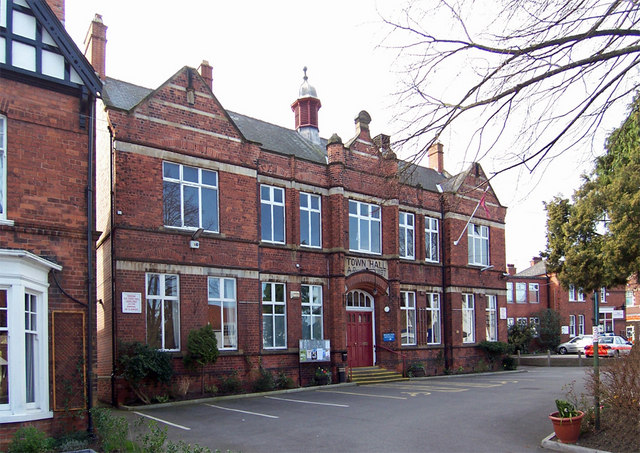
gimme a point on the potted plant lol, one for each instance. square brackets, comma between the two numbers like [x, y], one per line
[566, 422]
[322, 376]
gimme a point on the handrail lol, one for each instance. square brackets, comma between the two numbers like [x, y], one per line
[400, 353]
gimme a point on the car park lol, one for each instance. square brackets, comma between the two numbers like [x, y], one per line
[610, 346]
[575, 345]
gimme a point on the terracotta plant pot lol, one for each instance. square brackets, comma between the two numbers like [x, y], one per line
[567, 429]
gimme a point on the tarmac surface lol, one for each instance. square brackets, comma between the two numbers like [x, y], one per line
[492, 412]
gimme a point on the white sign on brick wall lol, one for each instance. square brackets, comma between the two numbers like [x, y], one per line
[131, 303]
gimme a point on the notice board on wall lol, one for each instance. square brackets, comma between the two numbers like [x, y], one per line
[315, 351]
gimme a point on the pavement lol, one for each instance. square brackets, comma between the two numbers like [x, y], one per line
[544, 360]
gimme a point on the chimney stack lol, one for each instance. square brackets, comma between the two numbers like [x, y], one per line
[206, 71]
[96, 46]
[535, 260]
[436, 157]
[57, 6]
[511, 269]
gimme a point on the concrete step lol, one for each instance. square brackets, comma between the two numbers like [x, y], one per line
[374, 375]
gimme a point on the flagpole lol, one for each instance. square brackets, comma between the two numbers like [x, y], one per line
[467, 224]
[471, 217]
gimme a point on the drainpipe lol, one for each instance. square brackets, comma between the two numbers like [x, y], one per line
[114, 395]
[90, 251]
[446, 332]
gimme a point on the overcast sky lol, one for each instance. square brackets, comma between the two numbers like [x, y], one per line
[258, 49]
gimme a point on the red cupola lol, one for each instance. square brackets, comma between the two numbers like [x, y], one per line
[306, 109]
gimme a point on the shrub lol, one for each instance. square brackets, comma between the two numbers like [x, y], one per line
[550, 329]
[265, 382]
[416, 369]
[509, 363]
[496, 350]
[619, 390]
[284, 382]
[140, 362]
[202, 350]
[520, 336]
[230, 385]
[30, 439]
[111, 430]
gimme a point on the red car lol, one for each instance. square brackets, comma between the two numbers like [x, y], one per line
[609, 346]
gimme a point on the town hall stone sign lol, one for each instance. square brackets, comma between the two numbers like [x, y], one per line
[352, 265]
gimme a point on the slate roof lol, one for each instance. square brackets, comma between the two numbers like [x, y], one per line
[537, 270]
[125, 96]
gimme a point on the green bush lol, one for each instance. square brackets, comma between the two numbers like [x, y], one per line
[265, 382]
[230, 385]
[140, 362]
[509, 363]
[30, 439]
[112, 431]
[550, 329]
[496, 351]
[416, 369]
[284, 382]
[202, 350]
[520, 336]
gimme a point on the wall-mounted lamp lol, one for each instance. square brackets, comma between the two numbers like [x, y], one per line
[196, 235]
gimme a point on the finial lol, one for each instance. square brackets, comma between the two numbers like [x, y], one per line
[305, 73]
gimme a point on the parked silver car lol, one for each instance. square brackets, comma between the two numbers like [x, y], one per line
[575, 344]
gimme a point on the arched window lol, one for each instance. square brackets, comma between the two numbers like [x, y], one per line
[359, 299]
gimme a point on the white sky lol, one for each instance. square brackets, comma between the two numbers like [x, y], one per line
[258, 49]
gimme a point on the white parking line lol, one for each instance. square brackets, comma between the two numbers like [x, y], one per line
[244, 412]
[306, 402]
[162, 421]
[364, 394]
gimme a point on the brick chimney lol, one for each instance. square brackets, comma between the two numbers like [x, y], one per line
[511, 269]
[57, 6]
[436, 157]
[96, 46]
[206, 71]
[535, 260]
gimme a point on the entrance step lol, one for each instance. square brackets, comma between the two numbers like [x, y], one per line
[374, 375]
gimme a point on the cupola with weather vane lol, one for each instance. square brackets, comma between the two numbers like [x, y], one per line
[306, 109]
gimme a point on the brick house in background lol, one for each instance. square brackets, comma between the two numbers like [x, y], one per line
[632, 309]
[47, 240]
[533, 289]
[273, 235]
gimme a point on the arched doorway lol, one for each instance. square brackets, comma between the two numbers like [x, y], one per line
[360, 327]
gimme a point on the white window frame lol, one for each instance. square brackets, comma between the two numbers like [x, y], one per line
[311, 224]
[312, 304]
[272, 206]
[510, 292]
[24, 274]
[511, 322]
[468, 318]
[492, 318]
[432, 239]
[575, 294]
[227, 337]
[433, 314]
[163, 297]
[371, 220]
[408, 310]
[200, 186]
[572, 325]
[3, 167]
[628, 298]
[521, 293]
[534, 293]
[606, 320]
[406, 235]
[603, 295]
[522, 321]
[275, 305]
[478, 237]
[580, 324]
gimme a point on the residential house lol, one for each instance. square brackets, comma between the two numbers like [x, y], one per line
[274, 236]
[47, 232]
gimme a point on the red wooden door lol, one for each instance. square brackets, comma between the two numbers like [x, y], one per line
[359, 338]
